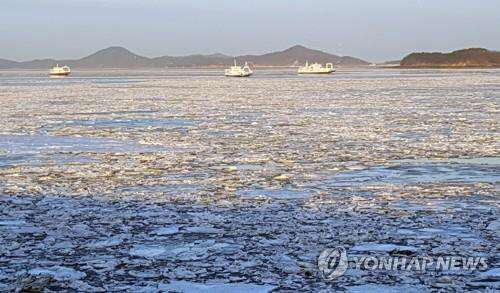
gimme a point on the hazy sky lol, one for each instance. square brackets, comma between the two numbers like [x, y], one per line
[375, 30]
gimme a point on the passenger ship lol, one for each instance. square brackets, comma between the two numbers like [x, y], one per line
[316, 68]
[238, 71]
[60, 70]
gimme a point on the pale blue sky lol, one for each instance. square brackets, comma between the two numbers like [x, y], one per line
[375, 30]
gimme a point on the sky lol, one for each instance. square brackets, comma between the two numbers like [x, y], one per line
[374, 30]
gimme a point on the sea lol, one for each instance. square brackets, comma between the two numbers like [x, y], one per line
[183, 179]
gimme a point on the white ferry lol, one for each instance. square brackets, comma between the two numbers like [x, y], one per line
[238, 71]
[316, 68]
[60, 70]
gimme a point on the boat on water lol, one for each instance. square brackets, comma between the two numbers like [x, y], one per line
[238, 71]
[316, 68]
[60, 70]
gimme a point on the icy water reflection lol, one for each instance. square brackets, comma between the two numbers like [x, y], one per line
[459, 171]
[26, 159]
[41, 143]
[123, 123]
[37, 150]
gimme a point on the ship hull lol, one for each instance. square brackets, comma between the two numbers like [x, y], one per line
[239, 75]
[316, 72]
[59, 73]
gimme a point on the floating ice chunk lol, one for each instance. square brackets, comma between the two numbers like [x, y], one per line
[376, 288]
[103, 264]
[287, 264]
[12, 223]
[282, 177]
[166, 230]
[143, 274]
[406, 232]
[84, 287]
[59, 273]
[138, 289]
[494, 226]
[203, 230]
[492, 274]
[182, 273]
[147, 250]
[232, 169]
[25, 230]
[113, 241]
[432, 230]
[489, 278]
[188, 287]
[382, 247]
[271, 242]
[202, 249]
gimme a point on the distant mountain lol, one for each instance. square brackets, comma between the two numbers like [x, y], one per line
[474, 57]
[8, 64]
[298, 55]
[119, 57]
[113, 57]
[192, 60]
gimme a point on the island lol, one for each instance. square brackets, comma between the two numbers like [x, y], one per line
[473, 57]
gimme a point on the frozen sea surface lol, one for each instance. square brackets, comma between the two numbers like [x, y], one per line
[182, 179]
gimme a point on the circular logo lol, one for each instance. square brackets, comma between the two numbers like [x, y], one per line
[332, 262]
